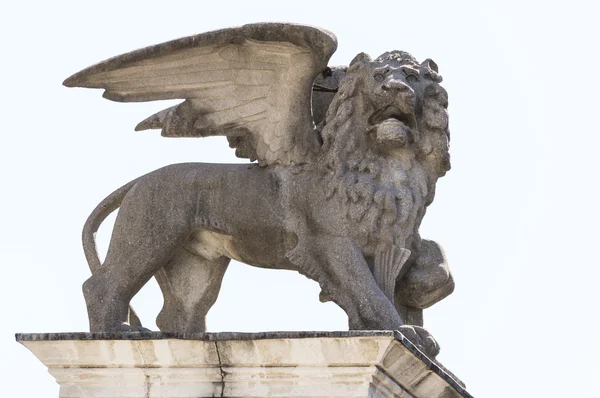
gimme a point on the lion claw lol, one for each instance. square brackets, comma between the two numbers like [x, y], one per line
[422, 339]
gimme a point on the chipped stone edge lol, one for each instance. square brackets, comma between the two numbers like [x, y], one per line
[232, 336]
[431, 365]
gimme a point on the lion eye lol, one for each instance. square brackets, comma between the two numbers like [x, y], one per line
[412, 76]
[379, 76]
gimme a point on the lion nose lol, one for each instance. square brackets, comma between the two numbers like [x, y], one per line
[397, 85]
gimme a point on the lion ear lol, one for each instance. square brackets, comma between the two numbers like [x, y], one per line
[362, 57]
[428, 63]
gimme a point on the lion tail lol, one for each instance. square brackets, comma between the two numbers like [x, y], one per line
[88, 236]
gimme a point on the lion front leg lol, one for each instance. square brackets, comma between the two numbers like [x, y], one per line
[339, 267]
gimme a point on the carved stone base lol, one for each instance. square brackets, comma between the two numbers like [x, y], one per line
[279, 364]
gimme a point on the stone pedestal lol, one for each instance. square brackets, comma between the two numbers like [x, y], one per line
[279, 364]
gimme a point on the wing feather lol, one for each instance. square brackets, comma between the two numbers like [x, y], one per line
[252, 83]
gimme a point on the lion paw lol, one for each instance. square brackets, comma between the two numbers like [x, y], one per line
[422, 339]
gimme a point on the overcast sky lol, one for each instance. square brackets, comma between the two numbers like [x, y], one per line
[517, 214]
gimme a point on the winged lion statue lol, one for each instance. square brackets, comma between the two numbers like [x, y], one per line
[344, 164]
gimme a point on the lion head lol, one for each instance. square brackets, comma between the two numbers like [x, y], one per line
[385, 138]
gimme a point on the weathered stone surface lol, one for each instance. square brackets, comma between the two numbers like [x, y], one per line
[278, 364]
[341, 204]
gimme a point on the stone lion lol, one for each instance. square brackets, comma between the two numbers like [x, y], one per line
[340, 204]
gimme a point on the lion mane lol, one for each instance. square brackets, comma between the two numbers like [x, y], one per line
[353, 167]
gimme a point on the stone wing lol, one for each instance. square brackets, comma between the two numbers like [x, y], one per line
[252, 84]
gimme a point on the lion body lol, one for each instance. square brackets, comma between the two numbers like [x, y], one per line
[263, 212]
[327, 220]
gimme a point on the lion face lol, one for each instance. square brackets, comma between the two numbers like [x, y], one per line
[393, 98]
[406, 106]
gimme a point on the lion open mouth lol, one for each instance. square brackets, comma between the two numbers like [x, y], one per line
[393, 112]
[394, 128]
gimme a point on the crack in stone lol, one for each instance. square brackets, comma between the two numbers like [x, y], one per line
[148, 386]
[147, 380]
[221, 371]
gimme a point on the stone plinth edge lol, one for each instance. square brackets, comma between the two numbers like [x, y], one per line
[272, 364]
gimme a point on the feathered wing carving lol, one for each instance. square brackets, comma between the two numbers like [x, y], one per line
[252, 84]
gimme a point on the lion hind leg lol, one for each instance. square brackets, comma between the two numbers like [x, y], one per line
[128, 267]
[190, 285]
[144, 238]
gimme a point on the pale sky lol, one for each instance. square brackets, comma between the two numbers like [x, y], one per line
[517, 214]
